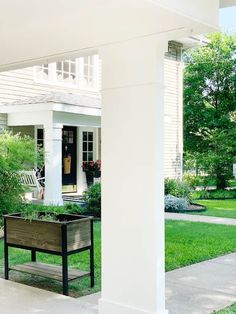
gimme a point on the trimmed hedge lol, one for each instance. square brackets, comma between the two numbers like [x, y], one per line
[214, 194]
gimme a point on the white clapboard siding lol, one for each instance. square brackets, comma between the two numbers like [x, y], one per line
[20, 84]
[173, 119]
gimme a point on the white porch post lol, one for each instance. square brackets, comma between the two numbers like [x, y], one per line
[53, 164]
[133, 278]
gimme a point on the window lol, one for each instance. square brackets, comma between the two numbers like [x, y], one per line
[76, 73]
[66, 72]
[40, 138]
[88, 146]
[42, 72]
[89, 72]
[68, 137]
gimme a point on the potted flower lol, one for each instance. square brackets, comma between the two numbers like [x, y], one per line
[92, 170]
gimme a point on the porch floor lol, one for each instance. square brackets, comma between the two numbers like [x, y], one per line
[22, 299]
[197, 289]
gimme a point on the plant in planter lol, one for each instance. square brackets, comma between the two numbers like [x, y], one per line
[53, 233]
[92, 170]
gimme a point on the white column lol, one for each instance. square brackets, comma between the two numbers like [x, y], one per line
[53, 164]
[133, 275]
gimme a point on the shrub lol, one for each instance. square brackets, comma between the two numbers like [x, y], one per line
[214, 194]
[73, 208]
[16, 153]
[192, 180]
[92, 197]
[175, 204]
[177, 188]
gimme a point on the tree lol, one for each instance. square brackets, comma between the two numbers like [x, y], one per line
[210, 107]
[16, 153]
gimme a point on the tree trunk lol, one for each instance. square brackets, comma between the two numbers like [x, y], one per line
[221, 182]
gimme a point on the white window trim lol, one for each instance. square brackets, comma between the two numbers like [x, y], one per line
[52, 81]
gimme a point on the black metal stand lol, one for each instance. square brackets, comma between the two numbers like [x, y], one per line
[63, 272]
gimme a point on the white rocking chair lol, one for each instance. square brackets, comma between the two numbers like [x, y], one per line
[30, 180]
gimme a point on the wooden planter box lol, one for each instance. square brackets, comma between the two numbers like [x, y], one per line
[69, 235]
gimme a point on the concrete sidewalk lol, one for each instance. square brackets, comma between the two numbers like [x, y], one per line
[199, 218]
[197, 289]
[202, 288]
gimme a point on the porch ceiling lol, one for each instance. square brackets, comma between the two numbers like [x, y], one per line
[42, 31]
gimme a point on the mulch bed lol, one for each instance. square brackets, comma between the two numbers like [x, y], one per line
[195, 208]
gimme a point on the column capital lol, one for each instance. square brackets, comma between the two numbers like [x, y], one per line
[135, 63]
[53, 126]
[53, 132]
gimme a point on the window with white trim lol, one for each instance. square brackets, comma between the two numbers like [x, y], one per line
[42, 72]
[88, 146]
[89, 72]
[79, 73]
[66, 71]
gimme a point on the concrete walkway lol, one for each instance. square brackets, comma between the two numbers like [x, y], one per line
[199, 218]
[197, 289]
[16, 298]
[202, 288]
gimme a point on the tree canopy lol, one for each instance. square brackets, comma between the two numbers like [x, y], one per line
[210, 107]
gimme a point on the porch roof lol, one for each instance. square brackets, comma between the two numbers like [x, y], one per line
[58, 102]
[67, 109]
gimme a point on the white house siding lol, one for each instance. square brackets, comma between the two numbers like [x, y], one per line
[20, 84]
[173, 119]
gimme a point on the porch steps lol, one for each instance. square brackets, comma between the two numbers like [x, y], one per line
[74, 199]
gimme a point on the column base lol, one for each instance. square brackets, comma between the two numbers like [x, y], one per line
[107, 307]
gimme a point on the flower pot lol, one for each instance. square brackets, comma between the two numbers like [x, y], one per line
[90, 177]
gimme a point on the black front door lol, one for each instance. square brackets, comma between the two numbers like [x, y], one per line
[69, 140]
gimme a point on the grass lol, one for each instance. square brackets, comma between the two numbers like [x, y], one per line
[191, 242]
[186, 243]
[229, 310]
[218, 208]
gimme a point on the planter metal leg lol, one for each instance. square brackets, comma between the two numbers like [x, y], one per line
[33, 255]
[92, 257]
[6, 261]
[64, 261]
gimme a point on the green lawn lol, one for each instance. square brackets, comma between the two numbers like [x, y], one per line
[186, 243]
[229, 310]
[219, 208]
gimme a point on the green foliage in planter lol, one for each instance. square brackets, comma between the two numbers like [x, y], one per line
[31, 211]
[177, 188]
[214, 194]
[16, 153]
[92, 197]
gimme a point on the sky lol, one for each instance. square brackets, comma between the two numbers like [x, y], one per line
[228, 20]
